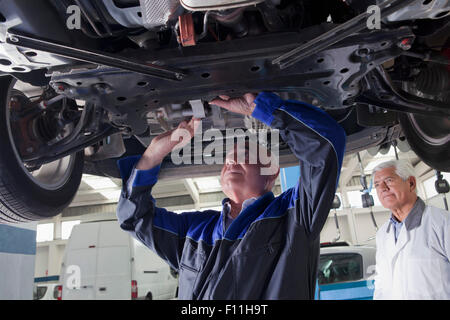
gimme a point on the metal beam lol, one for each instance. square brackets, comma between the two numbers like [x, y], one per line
[174, 201]
[73, 211]
[93, 56]
[336, 34]
[84, 192]
[92, 203]
[421, 168]
[193, 191]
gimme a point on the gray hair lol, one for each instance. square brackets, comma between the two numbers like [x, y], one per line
[402, 168]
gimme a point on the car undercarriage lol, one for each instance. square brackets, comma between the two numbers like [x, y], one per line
[85, 83]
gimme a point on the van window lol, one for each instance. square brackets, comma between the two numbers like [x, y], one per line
[39, 292]
[340, 267]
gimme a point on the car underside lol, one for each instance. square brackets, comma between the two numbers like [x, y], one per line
[85, 83]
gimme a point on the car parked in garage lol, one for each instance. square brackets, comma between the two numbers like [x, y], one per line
[346, 272]
[85, 83]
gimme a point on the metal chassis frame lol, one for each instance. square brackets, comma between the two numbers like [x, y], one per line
[377, 89]
[332, 76]
[337, 34]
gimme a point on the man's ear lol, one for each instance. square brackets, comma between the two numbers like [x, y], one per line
[271, 180]
[412, 183]
[274, 176]
[277, 174]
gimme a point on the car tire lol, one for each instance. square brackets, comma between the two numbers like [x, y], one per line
[24, 198]
[429, 138]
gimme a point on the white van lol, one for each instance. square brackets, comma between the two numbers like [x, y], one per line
[102, 262]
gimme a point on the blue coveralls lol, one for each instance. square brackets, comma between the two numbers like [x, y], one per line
[271, 250]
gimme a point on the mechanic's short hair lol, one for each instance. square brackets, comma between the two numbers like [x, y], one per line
[402, 168]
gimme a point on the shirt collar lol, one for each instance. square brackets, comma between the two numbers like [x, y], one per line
[227, 206]
[414, 217]
[394, 220]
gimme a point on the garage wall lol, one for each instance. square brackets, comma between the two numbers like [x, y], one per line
[438, 201]
[329, 231]
[355, 224]
[365, 228]
[41, 262]
[17, 261]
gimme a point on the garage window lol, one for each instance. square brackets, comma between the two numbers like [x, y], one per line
[44, 232]
[66, 228]
[340, 267]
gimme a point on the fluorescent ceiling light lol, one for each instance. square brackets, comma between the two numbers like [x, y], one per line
[111, 195]
[208, 184]
[44, 232]
[372, 164]
[96, 182]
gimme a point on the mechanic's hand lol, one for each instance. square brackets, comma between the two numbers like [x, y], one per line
[243, 105]
[163, 144]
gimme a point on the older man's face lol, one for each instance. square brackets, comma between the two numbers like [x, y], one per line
[392, 190]
[238, 173]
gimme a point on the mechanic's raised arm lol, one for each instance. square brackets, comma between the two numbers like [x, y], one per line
[315, 138]
[159, 229]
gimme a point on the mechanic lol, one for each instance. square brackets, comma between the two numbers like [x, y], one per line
[270, 248]
[413, 246]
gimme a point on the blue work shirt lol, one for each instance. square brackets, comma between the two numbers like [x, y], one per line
[397, 226]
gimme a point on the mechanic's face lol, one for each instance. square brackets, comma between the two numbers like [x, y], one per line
[240, 177]
[393, 191]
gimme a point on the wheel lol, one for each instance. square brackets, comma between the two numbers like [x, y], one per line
[429, 138]
[30, 194]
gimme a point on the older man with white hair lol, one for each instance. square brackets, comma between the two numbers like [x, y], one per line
[413, 246]
[259, 246]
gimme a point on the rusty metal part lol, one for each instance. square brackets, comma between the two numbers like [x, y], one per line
[187, 31]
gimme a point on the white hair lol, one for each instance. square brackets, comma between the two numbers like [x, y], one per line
[402, 168]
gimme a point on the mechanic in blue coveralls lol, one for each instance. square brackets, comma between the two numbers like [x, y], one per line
[260, 246]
